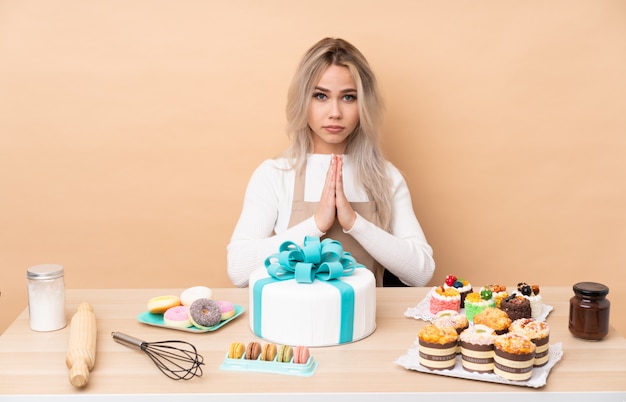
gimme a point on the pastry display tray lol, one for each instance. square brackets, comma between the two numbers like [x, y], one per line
[262, 366]
[157, 320]
[422, 310]
[539, 377]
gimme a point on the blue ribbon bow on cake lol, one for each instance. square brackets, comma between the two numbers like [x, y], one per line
[325, 260]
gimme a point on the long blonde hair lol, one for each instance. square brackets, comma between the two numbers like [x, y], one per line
[363, 144]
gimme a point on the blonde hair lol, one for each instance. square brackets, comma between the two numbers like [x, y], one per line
[363, 144]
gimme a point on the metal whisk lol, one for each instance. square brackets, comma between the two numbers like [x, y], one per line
[179, 360]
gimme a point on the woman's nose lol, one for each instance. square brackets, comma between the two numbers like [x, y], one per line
[335, 110]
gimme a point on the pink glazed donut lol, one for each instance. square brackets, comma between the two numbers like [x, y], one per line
[177, 317]
[227, 309]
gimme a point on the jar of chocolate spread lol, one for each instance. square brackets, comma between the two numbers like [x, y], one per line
[589, 311]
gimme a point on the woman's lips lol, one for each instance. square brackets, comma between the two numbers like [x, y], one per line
[334, 129]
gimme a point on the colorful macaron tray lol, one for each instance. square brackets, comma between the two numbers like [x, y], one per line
[156, 320]
[275, 364]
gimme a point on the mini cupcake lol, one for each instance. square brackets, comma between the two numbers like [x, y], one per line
[477, 348]
[461, 285]
[539, 334]
[498, 293]
[452, 319]
[444, 299]
[476, 302]
[516, 306]
[532, 294]
[437, 347]
[514, 357]
[494, 318]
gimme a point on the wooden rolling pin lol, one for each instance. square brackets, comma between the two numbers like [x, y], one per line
[81, 350]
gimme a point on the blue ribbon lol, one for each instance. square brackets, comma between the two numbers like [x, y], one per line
[323, 260]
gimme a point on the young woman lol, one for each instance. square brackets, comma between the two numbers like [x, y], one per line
[333, 181]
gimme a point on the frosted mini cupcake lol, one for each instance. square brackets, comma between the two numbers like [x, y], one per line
[461, 285]
[532, 294]
[476, 302]
[477, 348]
[452, 319]
[444, 299]
[498, 292]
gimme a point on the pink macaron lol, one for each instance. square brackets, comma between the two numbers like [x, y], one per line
[301, 354]
[177, 317]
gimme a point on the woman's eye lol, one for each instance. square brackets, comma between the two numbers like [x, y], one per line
[319, 95]
[349, 98]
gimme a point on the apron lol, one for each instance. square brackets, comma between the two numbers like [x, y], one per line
[301, 210]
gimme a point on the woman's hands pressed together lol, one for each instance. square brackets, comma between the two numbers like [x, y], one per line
[333, 202]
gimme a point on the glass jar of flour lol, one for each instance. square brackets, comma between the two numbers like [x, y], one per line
[46, 297]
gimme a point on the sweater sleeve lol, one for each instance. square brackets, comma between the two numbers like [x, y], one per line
[255, 236]
[404, 251]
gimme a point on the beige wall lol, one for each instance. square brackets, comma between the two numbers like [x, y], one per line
[129, 129]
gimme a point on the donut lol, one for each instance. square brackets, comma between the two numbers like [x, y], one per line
[204, 313]
[177, 317]
[194, 293]
[159, 304]
[227, 308]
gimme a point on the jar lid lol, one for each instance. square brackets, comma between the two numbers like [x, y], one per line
[591, 289]
[45, 271]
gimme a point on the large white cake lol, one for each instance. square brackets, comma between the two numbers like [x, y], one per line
[313, 314]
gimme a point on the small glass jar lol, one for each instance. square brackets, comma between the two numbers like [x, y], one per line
[46, 297]
[589, 311]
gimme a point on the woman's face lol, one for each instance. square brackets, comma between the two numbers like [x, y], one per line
[333, 112]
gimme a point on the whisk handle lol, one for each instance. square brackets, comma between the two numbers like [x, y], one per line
[127, 339]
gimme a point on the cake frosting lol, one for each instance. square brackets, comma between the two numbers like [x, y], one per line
[463, 286]
[444, 299]
[320, 313]
[475, 303]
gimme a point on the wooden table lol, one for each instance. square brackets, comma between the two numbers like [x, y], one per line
[32, 364]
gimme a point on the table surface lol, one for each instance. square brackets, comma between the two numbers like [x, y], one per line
[33, 363]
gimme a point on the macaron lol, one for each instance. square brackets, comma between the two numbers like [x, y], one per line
[253, 350]
[190, 295]
[177, 317]
[227, 308]
[159, 304]
[236, 350]
[285, 354]
[301, 355]
[269, 352]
